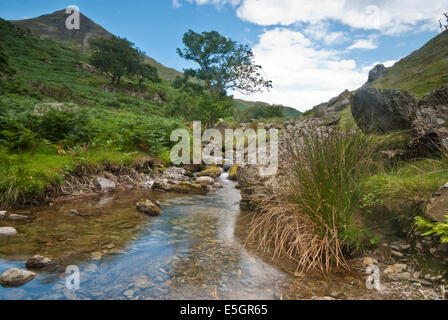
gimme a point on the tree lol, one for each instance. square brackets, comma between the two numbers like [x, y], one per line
[115, 57]
[223, 64]
[147, 72]
[444, 27]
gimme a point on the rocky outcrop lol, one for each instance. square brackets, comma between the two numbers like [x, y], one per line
[15, 277]
[381, 111]
[7, 231]
[340, 102]
[430, 120]
[377, 72]
[38, 262]
[42, 108]
[152, 208]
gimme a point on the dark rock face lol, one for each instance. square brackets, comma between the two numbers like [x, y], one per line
[377, 72]
[430, 119]
[382, 111]
[38, 262]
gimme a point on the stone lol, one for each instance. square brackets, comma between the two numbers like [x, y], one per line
[38, 262]
[403, 276]
[367, 261]
[382, 111]
[3, 213]
[430, 121]
[17, 217]
[213, 172]
[218, 185]
[7, 231]
[340, 102]
[377, 72]
[205, 180]
[437, 208]
[104, 185]
[190, 188]
[193, 167]
[396, 268]
[15, 277]
[150, 208]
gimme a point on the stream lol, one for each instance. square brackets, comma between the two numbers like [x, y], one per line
[190, 252]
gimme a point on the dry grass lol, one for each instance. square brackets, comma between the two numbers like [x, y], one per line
[309, 217]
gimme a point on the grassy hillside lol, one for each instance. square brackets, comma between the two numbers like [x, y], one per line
[52, 27]
[288, 112]
[421, 72]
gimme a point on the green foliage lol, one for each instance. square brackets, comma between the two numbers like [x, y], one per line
[147, 72]
[116, 57]
[328, 169]
[223, 64]
[261, 112]
[430, 228]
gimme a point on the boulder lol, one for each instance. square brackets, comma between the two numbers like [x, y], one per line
[7, 231]
[38, 262]
[377, 72]
[15, 277]
[3, 213]
[205, 180]
[104, 185]
[331, 119]
[213, 172]
[193, 167]
[233, 172]
[17, 217]
[381, 111]
[190, 188]
[150, 208]
[437, 208]
[430, 120]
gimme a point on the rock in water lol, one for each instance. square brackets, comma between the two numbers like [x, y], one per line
[7, 231]
[213, 172]
[218, 185]
[381, 111]
[38, 262]
[205, 180]
[377, 72]
[104, 185]
[15, 277]
[149, 207]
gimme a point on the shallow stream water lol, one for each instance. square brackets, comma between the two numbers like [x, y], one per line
[190, 252]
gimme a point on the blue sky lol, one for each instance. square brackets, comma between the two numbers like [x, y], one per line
[311, 49]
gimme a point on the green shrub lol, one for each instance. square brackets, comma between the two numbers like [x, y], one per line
[430, 228]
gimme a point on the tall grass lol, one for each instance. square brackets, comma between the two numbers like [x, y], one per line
[310, 217]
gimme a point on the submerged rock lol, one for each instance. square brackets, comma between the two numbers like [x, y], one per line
[149, 207]
[38, 262]
[218, 185]
[15, 277]
[104, 185]
[7, 231]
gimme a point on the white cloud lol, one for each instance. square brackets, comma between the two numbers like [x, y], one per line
[387, 16]
[303, 76]
[321, 32]
[366, 44]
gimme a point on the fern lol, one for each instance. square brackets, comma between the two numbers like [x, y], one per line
[430, 228]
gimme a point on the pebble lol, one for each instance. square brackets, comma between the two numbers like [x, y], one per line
[7, 231]
[367, 261]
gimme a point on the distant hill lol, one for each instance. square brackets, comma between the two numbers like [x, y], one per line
[422, 71]
[52, 27]
[243, 105]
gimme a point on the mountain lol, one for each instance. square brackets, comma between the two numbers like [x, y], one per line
[422, 71]
[52, 27]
